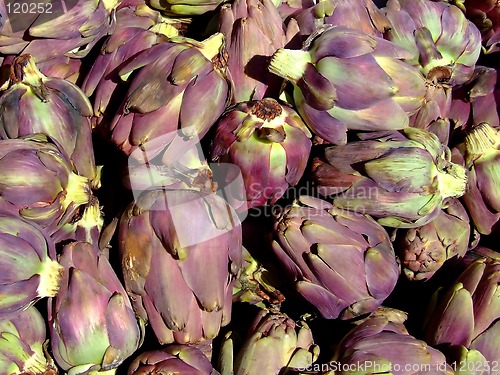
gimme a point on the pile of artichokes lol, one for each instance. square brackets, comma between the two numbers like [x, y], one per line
[249, 187]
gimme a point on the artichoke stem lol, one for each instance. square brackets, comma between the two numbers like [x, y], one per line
[482, 138]
[50, 278]
[212, 46]
[453, 181]
[290, 64]
[77, 190]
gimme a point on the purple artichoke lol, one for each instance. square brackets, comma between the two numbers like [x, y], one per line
[338, 64]
[164, 262]
[269, 143]
[381, 345]
[401, 178]
[34, 103]
[29, 270]
[176, 85]
[275, 344]
[465, 316]
[343, 263]
[92, 324]
[22, 340]
[172, 359]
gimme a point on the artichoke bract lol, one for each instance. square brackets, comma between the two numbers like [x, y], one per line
[33, 103]
[275, 344]
[401, 178]
[481, 152]
[138, 27]
[37, 182]
[177, 85]
[168, 239]
[29, 270]
[269, 143]
[423, 250]
[253, 31]
[172, 359]
[465, 315]
[442, 42]
[92, 324]
[337, 65]
[22, 341]
[343, 263]
[382, 345]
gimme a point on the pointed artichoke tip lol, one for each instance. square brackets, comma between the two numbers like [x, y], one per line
[51, 273]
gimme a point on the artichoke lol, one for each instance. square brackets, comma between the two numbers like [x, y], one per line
[253, 31]
[269, 143]
[176, 85]
[172, 359]
[275, 344]
[106, 331]
[338, 64]
[138, 27]
[481, 151]
[70, 28]
[465, 316]
[164, 262]
[402, 178]
[34, 103]
[444, 45]
[22, 348]
[47, 191]
[423, 250]
[382, 345]
[342, 262]
[29, 270]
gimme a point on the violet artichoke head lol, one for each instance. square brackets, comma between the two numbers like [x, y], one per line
[423, 250]
[33, 103]
[382, 345]
[168, 239]
[401, 178]
[37, 182]
[269, 143]
[342, 262]
[176, 85]
[172, 359]
[29, 270]
[466, 315]
[275, 344]
[93, 327]
[338, 64]
[22, 340]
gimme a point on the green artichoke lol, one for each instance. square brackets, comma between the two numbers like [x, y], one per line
[185, 7]
[28, 267]
[401, 178]
[93, 328]
[22, 348]
[342, 262]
